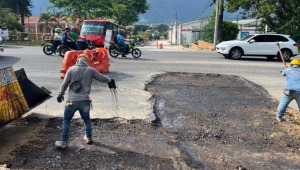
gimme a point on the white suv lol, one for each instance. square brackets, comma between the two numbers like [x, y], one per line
[259, 45]
[1, 44]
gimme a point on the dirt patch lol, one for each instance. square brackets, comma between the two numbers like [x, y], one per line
[203, 122]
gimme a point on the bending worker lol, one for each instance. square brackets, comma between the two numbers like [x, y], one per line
[79, 99]
[292, 90]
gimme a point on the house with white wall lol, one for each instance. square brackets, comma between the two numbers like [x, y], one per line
[247, 26]
[190, 32]
[187, 33]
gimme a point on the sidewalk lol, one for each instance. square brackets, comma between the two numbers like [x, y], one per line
[167, 46]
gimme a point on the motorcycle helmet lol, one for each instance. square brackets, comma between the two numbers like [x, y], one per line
[74, 29]
[58, 30]
[68, 29]
[295, 62]
[121, 31]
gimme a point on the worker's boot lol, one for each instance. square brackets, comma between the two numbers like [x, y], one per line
[88, 140]
[61, 144]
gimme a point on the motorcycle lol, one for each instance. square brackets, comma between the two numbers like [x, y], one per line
[83, 45]
[115, 50]
[47, 47]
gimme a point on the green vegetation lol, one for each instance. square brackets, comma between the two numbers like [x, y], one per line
[13, 10]
[229, 30]
[20, 7]
[125, 12]
[281, 16]
[9, 20]
[150, 32]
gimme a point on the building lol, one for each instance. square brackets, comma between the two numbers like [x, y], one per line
[33, 25]
[190, 32]
[247, 26]
[187, 33]
[34, 29]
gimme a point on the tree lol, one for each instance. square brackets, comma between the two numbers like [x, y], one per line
[125, 12]
[229, 29]
[161, 28]
[20, 7]
[140, 28]
[281, 16]
[10, 20]
[58, 17]
[46, 21]
[79, 8]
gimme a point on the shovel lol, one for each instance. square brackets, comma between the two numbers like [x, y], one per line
[281, 56]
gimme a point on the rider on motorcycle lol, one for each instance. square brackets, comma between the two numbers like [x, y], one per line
[121, 43]
[75, 37]
[56, 39]
[66, 38]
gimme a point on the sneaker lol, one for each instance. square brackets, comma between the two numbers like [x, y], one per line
[61, 144]
[280, 119]
[88, 140]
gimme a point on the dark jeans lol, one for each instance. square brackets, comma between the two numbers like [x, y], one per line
[125, 48]
[56, 43]
[83, 107]
[75, 46]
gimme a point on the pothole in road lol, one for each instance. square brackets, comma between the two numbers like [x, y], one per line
[205, 121]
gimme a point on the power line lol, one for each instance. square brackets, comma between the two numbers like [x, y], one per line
[206, 6]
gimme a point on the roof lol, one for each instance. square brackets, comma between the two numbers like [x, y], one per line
[247, 21]
[35, 19]
[32, 19]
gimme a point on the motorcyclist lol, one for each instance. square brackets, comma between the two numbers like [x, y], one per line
[121, 43]
[75, 37]
[57, 39]
[66, 38]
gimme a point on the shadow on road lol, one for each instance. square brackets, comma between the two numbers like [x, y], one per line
[13, 46]
[7, 61]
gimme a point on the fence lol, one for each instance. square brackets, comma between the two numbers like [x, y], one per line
[25, 36]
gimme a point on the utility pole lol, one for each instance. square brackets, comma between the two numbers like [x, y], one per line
[18, 12]
[216, 24]
[176, 19]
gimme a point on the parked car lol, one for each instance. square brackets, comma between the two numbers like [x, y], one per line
[259, 45]
[1, 45]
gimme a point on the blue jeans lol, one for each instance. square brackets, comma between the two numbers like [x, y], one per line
[83, 107]
[285, 101]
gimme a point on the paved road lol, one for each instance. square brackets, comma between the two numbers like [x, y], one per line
[132, 75]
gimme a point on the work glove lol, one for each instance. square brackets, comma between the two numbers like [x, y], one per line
[60, 98]
[112, 84]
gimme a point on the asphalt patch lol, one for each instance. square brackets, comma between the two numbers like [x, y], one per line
[203, 121]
